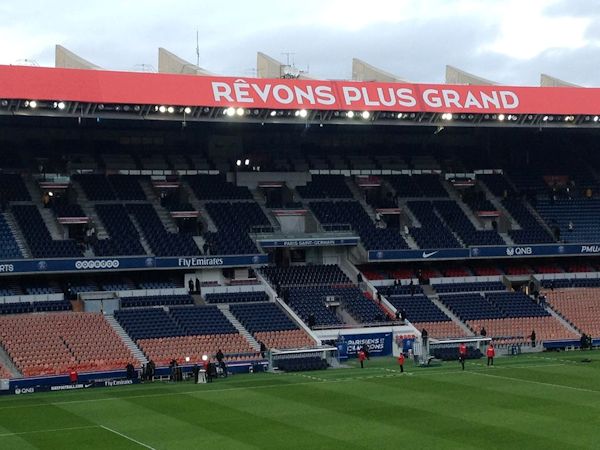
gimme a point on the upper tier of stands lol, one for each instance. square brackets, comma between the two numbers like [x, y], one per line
[38, 237]
[124, 238]
[98, 187]
[353, 213]
[162, 242]
[433, 233]
[9, 248]
[456, 219]
[492, 305]
[577, 218]
[234, 221]
[216, 187]
[425, 185]
[326, 186]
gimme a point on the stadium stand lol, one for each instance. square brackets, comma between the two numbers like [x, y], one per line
[351, 212]
[54, 343]
[156, 300]
[37, 236]
[162, 242]
[269, 324]
[579, 306]
[234, 221]
[237, 297]
[433, 233]
[325, 186]
[123, 236]
[9, 249]
[216, 187]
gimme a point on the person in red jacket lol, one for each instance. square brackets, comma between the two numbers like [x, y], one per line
[361, 358]
[490, 352]
[462, 354]
[401, 362]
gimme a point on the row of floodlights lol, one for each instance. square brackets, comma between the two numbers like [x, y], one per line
[303, 113]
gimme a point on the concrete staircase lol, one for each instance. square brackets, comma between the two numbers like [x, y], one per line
[199, 206]
[126, 339]
[236, 323]
[16, 231]
[259, 198]
[8, 364]
[143, 240]
[163, 214]
[565, 323]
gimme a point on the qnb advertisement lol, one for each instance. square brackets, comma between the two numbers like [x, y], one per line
[487, 252]
[104, 86]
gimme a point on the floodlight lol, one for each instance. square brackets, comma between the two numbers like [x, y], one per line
[350, 114]
[501, 117]
[365, 115]
[162, 109]
[187, 110]
[303, 113]
[171, 110]
[239, 111]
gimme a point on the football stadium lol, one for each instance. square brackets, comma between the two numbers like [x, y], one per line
[192, 260]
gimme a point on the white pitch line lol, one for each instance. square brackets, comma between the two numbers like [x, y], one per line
[426, 372]
[564, 386]
[127, 437]
[51, 430]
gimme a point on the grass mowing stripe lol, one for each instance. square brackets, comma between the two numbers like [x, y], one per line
[564, 386]
[52, 430]
[127, 437]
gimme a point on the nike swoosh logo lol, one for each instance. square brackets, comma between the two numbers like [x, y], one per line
[427, 255]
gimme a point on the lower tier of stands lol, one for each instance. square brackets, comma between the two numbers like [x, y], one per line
[519, 329]
[579, 306]
[285, 339]
[4, 373]
[55, 343]
[163, 350]
[446, 329]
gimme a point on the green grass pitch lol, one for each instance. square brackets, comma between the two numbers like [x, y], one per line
[531, 401]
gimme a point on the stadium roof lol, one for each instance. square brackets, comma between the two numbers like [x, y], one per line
[176, 91]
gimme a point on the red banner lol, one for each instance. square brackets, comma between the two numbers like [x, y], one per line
[100, 86]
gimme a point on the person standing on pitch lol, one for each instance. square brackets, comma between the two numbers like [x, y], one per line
[361, 358]
[462, 354]
[490, 352]
[401, 362]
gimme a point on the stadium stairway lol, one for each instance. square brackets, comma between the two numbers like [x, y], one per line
[514, 225]
[8, 364]
[434, 298]
[260, 200]
[238, 326]
[16, 231]
[564, 322]
[360, 197]
[199, 206]
[125, 338]
[163, 214]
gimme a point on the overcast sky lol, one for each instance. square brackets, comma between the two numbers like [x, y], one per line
[509, 41]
